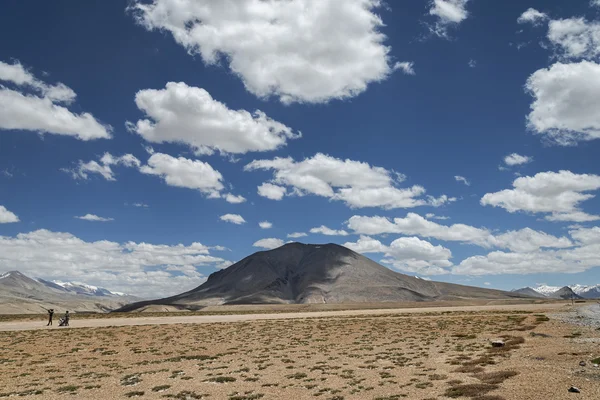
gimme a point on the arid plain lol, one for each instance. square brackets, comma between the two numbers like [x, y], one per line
[432, 353]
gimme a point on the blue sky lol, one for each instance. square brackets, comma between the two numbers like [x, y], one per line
[131, 144]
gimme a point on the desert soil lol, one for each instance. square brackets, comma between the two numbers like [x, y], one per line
[434, 353]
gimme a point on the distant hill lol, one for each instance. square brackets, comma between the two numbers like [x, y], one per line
[22, 294]
[299, 273]
[529, 292]
[564, 292]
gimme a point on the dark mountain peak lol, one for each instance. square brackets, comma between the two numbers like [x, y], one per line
[315, 273]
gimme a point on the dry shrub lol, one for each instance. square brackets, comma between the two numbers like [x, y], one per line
[469, 390]
[494, 378]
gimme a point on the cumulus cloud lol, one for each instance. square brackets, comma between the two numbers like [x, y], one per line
[233, 218]
[407, 67]
[571, 260]
[323, 230]
[414, 255]
[356, 183]
[186, 173]
[103, 168]
[528, 240]
[566, 105]
[575, 38]
[189, 115]
[141, 269]
[265, 225]
[300, 51]
[462, 179]
[433, 216]
[415, 224]
[94, 218]
[532, 16]
[268, 243]
[586, 236]
[230, 198]
[556, 193]
[7, 217]
[296, 235]
[365, 245]
[270, 191]
[448, 14]
[517, 159]
[33, 105]
[408, 254]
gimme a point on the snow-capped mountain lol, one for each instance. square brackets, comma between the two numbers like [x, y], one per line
[83, 288]
[588, 292]
[580, 291]
[22, 294]
[547, 290]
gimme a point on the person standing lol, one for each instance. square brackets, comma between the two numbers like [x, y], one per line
[50, 315]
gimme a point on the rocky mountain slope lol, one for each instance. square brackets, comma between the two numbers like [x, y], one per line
[22, 294]
[301, 273]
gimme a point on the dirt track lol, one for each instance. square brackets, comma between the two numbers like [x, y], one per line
[183, 319]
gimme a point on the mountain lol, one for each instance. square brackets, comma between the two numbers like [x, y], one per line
[22, 294]
[529, 292]
[587, 292]
[565, 292]
[81, 288]
[298, 273]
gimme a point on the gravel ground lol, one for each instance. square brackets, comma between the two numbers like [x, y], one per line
[584, 316]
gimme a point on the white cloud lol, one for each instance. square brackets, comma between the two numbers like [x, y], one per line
[472, 63]
[230, 198]
[572, 260]
[233, 218]
[586, 236]
[296, 235]
[269, 243]
[527, 240]
[186, 173]
[323, 230]
[42, 112]
[554, 193]
[411, 254]
[414, 224]
[270, 191]
[517, 159]
[595, 3]
[95, 218]
[189, 115]
[532, 16]
[356, 183]
[265, 225]
[7, 217]
[449, 13]
[407, 67]
[103, 168]
[575, 38]
[301, 51]
[462, 179]
[566, 108]
[433, 216]
[135, 268]
[140, 205]
[365, 245]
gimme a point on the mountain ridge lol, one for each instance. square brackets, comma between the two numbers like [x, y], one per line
[20, 293]
[297, 273]
[577, 291]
